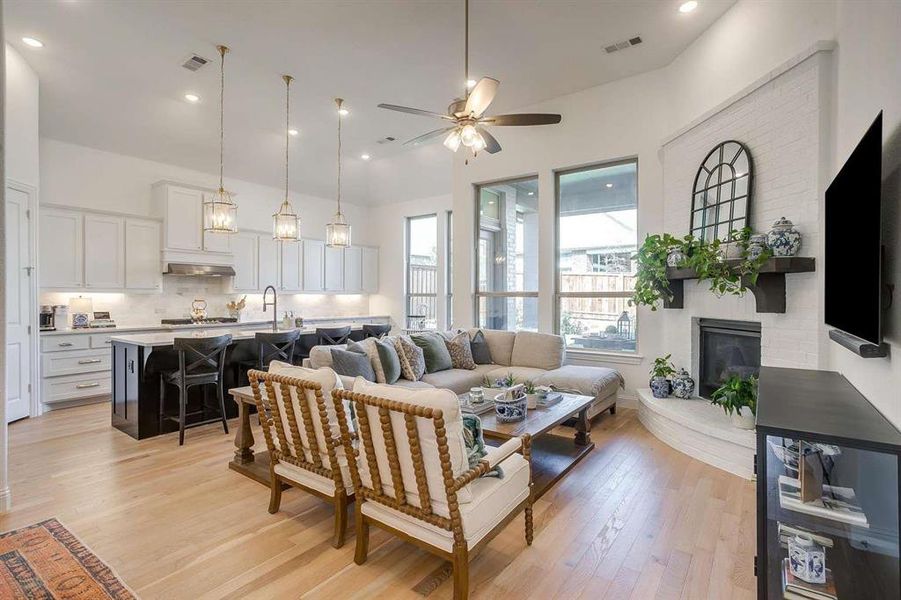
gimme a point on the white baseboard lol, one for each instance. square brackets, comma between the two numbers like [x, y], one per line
[627, 401]
[6, 500]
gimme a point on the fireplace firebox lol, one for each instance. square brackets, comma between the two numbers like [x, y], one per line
[726, 348]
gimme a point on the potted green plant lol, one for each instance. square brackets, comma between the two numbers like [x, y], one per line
[738, 398]
[661, 371]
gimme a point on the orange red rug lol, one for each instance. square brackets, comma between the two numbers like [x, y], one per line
[46, 561]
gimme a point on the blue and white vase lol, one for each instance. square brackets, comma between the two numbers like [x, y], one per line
[676, 257]
[660, 387]
[683, 385]
[783, 239]
[756, 245]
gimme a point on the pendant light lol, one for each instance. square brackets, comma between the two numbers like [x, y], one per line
[220, 213]
[337, 233]
[285, 223]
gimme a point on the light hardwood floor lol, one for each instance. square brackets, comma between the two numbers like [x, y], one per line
[635, 519]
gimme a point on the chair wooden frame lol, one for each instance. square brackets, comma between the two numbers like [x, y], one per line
[460, 555]
[270, 418]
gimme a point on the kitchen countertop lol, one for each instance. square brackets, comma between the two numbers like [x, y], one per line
[159, 327]
[166, 338]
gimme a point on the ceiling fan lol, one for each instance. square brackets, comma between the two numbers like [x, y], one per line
[466, 119]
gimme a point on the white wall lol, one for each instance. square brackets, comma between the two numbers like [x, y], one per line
[868, 79]
[21, 113]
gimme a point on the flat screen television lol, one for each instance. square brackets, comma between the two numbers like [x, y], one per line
[853, 261]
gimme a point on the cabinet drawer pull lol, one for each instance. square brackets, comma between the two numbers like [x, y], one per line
[65, 344]
[82, 386]
[90, 361]
[108, 342]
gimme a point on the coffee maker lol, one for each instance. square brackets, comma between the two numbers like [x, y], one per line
[47, 320]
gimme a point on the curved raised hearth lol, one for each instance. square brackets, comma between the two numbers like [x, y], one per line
[697, 428]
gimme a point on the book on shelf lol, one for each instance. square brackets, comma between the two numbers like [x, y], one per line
[837, 503]
[789, 531]
[796, 588]
[551, 399]
[476, 409]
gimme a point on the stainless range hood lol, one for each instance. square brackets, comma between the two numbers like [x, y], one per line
[197, 269]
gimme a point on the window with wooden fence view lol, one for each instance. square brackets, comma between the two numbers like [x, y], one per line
[597, 217]
[422, 272]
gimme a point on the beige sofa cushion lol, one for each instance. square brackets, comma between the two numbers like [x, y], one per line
[321, 356]
[456, 380]
[537, 350]
[520, 374]
[599, 382]
[453, 424]
[500, 344]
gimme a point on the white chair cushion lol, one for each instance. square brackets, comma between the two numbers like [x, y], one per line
[453, 425]
[321, 484]
[492, 500]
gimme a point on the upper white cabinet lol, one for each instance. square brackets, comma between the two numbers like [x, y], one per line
[370, 270]
[183, 217]
[291, 266]
[334, 269]
[268, 262]
[313, 265]
[353, 269]
[142, 254]
[217, 242]
[246, 250]
[61, 257]
[104, 251]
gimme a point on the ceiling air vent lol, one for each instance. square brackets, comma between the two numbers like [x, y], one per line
[386, 140]
[623, 45]
[195, 62]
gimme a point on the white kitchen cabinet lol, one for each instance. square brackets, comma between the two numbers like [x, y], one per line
[353, 269]
[61, 254]
[370, 270]
[334, 269]
[142, 255]
[217, 242]
[313, 264]
[268, 262]
[104, 252]
[183, 218]
[246, 250]
[291, 266]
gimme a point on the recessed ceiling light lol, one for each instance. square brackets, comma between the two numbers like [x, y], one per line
[687, 7]
[192, 98]
[471, 83]
[293, 132]
[343, 112]
[609, 185]
[365, 156]
[30, 41]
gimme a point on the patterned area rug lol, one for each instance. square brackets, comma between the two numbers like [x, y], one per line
[46, 561]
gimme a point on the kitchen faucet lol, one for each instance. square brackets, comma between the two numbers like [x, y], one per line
[273, 304]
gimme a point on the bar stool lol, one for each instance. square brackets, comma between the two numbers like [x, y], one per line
[270, 346]
[201, 361]
[332, 336]
[376, 331]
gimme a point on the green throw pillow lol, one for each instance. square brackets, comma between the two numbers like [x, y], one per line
[437, 358]
[389, 359]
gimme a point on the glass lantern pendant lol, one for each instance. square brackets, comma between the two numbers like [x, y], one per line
[286, 223]
[220, 213]
[337, 233]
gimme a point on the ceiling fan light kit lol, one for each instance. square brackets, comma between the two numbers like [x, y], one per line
[467, 115]
[285, 222]
[220, 213]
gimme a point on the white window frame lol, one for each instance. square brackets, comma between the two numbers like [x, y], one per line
[408, 296]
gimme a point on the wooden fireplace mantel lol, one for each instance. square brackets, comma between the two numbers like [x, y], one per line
[769, 290]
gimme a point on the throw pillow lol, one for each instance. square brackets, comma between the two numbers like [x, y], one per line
[368, 348]
[475, 444]
[352, 364]
[460, 352]
[479, 346]
[437, 358]
[412, 360]
[389, 360]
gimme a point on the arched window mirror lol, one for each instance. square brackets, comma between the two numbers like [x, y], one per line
[721, 194]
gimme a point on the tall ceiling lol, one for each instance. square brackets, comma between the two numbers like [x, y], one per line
[111, 75]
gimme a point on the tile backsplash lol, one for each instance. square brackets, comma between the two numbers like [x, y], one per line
[135, 309]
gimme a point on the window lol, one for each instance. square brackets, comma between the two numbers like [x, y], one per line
[422, 272]
[507, 255]
[597, 235]
[449, 281]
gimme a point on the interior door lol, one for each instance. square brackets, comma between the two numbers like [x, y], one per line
[18, 301]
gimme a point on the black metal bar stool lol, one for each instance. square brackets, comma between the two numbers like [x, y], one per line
[332, 336]
[201, 361]
[376, 331]
[270, 346]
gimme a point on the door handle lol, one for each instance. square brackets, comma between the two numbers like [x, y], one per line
[65, 344]
[90, 361]
[131, 366]
[82, 386]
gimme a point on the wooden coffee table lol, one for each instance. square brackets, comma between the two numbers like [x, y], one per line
[553, 456]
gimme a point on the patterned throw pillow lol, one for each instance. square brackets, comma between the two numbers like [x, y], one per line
[460, 352]
[412, 360]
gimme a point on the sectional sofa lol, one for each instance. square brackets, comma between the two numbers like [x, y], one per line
[528, 356]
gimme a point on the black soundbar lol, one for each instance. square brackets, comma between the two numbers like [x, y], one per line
[860, 347]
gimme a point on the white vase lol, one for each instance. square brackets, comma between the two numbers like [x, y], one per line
[743, 418]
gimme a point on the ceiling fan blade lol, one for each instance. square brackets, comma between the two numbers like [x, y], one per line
[481, 96]
[523, 119]
[491, 144]
[415, 111]
[428, 136]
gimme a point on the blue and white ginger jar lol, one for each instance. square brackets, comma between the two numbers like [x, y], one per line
[783, 239]
[660, 387]
[683, 385]
[756, 245]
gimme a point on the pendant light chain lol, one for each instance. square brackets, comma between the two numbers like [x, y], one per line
[287, 79]
[339, 102]
[466, 55]
[222, 51]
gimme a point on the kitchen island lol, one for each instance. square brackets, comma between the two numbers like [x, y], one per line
[138, 359]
